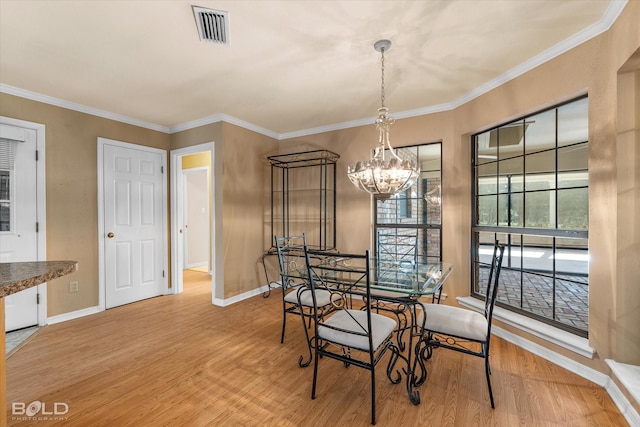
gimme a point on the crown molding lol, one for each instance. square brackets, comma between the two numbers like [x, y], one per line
[609, 17]
[45, 99]
[224, 118]
[611, 14]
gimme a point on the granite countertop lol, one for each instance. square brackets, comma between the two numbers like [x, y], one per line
[18, 276]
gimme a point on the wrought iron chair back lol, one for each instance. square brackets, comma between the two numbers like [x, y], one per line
[297, 297]
[492, 285]
[352, 335]
[459, 329]
[291, 258]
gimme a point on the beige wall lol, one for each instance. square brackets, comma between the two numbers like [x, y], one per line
[627, 345]
[589, 68]
[241, 182]
[241, 187]
[72, 190]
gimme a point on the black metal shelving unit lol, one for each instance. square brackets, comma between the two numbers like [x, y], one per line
[303, 197]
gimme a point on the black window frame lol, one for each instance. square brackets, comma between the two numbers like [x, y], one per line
[407, 207]
[522, 233]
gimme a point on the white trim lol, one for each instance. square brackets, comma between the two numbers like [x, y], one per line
[556, 336]
[74, 315]
[629, 376]
[41, 204]
[224, 118]
[241, 297]
[626, 408]
[603, 380]
[550, 355]
[611, 14]
[101, 232]
[608, 18]
[22, 93]
[177, 250]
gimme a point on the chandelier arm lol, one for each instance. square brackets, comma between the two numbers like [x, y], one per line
[390, 148]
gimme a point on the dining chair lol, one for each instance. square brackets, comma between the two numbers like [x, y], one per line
[296, 295]
[350, 334]
[457, 328]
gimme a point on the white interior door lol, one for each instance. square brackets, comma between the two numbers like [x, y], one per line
[197, 215]
[133, 224]
[18, 217]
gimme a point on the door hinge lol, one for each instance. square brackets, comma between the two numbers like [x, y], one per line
[161, 169]
[37, 298]
[37, 227]
[162, 273]
[36, 155]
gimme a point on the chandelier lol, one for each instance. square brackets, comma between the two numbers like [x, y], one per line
[380, 176]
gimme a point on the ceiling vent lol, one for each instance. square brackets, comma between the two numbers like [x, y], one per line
[213, 25]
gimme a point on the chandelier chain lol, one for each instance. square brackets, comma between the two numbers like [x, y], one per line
[382, 80]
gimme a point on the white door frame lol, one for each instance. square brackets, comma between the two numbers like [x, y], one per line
[101, 233]
[41, 211]
[177, 219]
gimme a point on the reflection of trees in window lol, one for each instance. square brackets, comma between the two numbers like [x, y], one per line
[531, 192]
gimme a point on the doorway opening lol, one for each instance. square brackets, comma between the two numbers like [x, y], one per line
[22, 214]
[193, 220]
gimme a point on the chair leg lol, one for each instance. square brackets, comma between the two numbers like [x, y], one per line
[373, 395]
[315, 373]
[488, 372]
[301, 362]
[284, 324]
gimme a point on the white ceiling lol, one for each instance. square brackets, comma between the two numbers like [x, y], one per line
[292, 67]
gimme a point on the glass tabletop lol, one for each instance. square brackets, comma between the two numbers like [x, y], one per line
[412, 277]
[403, 277]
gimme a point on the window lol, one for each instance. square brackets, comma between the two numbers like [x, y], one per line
[531, 185]
[408, 226]
[5, 200]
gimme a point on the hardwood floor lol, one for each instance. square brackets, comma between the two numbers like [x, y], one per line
[178, 360]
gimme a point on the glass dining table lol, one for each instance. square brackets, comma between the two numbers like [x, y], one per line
[397, 286]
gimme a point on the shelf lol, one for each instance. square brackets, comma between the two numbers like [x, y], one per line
[312, 220]
[304, 159]
[303, 197]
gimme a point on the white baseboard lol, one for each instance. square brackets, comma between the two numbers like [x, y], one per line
[629, 376]
[603, 380]
[626, 409]
[237, 298]
[73, 315]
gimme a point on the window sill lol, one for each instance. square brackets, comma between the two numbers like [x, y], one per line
[556, 336]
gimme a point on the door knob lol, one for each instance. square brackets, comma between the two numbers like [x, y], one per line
[110, 235]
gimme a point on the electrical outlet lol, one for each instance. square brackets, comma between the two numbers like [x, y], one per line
[73, 287]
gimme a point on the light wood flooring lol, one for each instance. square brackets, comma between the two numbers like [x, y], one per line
[180, 361]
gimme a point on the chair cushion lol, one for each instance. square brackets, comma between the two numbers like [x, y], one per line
[456, 321]
[356, 320]
[323, 297]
